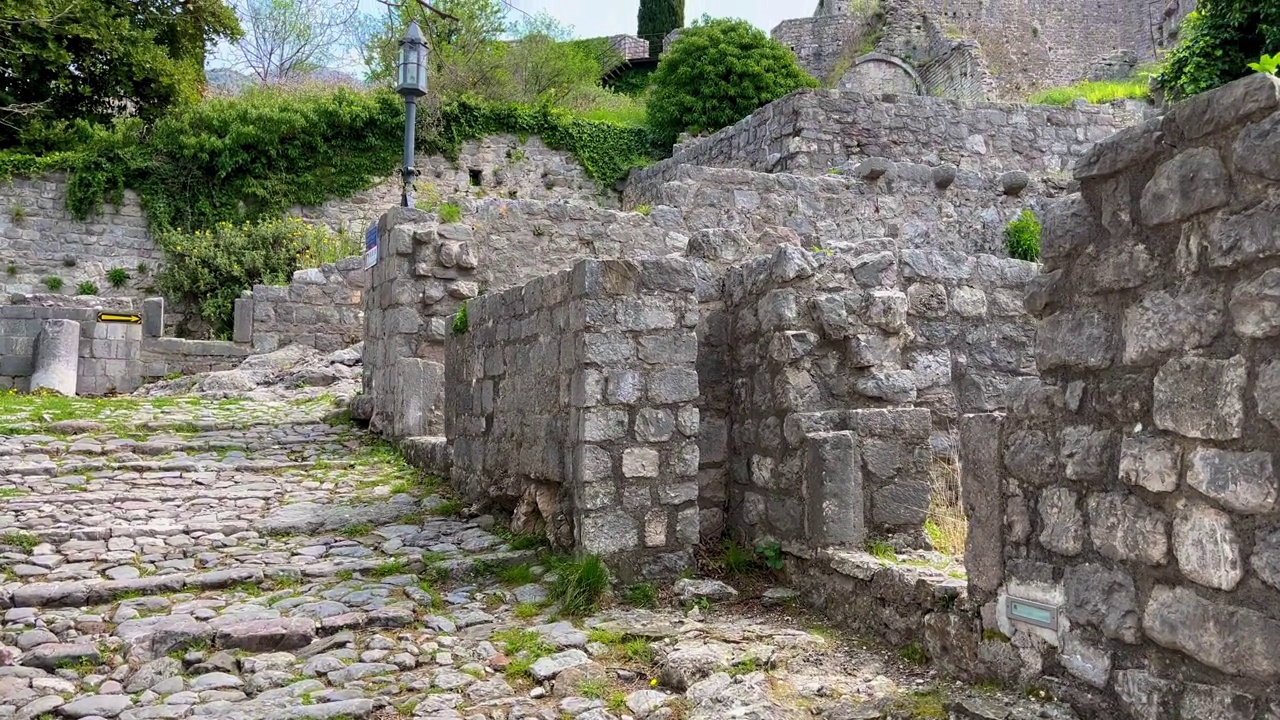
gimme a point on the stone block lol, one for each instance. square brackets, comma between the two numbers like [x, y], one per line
[1122, 527]
[1192, 182]
[1201, 398]
[655, 528]
[645, 313]
[1086, 452]
[608, 532]
[601, 424]
[982, 496]
[1226, 106]
[1208, 701]
[654, 425]
[834, 490]
[640, 463]
[1241, 481]
[673, 386]
[1144, 696]
[1085, 660]
[1255, 306]
[1104, 598]
[153, 317]
[1163, 321]
[56, 359]
[1151, 463]
[1265, 559]
[1081, 339]
[668, 349]
[1234, 640]
[609, 349]
[1257, 150]
[1062, 522]
[1030, 456]
[1207, 547]
[593, 465]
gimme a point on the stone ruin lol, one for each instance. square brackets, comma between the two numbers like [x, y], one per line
[978, 50]
[635, 384]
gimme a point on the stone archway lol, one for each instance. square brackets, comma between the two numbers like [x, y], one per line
[878, 73]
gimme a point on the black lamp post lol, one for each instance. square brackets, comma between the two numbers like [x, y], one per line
[411, 86]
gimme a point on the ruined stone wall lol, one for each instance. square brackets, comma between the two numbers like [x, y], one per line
[1027, 46]
[823, 45]
[839, 343]
[572, 400]
[425, 272]
[109, 352]
[39, 238]
[501, 166]
[811, 131]
[166, 356]
[917, 206]
[1138, 480]
[1031, 46]
[321, 308]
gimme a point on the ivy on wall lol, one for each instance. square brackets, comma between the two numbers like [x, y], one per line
[607, 151]
[252, 157]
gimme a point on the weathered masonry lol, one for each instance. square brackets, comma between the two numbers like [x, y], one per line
[1131, 492]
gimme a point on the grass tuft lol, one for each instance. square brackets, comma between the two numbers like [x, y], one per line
[1096, 92]
[579, 585]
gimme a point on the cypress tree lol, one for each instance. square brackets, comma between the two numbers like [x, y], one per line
[657, 18]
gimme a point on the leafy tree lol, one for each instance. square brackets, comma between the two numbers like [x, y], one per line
[1220, 39]
[546, 63]
[718, 72]
[98, 59]
[465, 56]
[656, 20]
[286, 39]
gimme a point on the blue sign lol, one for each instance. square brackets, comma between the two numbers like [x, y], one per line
[371, 247]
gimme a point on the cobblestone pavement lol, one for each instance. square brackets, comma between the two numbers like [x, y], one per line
[173, 558]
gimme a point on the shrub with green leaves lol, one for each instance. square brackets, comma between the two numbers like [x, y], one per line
[52, 283]
[1219, 41]
[210, 268]
[718, 72]
[86, 288]
[1022, 237]
[117, 277]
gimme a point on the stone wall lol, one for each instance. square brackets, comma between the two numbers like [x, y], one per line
[164, 357]
[39, 239]
[823, 45]
[321, 308]
[1137, 478]
[826, 351]
[501, 166]
[42, 239]
[425, 272]
[109, 351]
[812, 131]
[905, 204]
[570, 400]
[1026, 46]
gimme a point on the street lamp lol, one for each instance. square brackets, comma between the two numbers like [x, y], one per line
[411, 86]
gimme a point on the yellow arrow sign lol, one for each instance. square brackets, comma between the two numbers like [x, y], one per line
[114, 317]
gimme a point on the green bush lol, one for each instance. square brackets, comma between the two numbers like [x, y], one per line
[718, 72]
[450, 213]
[460, 321]
[117, 277]
[1022, 237]
[210, 268]
[86, 288]
[1219, 41]
[52, 283]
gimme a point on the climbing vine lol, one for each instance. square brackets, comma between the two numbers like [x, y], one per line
[244, 159]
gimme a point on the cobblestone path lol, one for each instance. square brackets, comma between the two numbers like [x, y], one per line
[178, 558]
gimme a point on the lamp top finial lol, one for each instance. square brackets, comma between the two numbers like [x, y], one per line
[413, 34]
